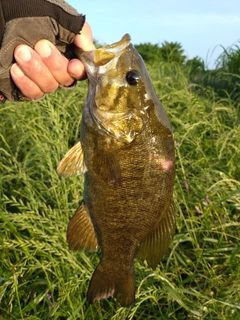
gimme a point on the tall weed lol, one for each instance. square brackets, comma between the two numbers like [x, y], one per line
[199, 278]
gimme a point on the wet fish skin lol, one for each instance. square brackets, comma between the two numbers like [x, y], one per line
[129, 162]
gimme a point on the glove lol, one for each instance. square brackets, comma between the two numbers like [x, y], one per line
[28, 21]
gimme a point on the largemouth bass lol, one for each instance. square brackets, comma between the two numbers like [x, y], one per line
[126, 151]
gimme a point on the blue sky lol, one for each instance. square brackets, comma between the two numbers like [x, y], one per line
[201, 26]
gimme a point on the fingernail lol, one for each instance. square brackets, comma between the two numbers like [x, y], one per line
[17, 71]
[44, 50]
[23, 54]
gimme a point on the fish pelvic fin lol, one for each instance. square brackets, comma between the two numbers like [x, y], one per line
[72, 163]
[153, 248]
[105, 283]
[80, 231]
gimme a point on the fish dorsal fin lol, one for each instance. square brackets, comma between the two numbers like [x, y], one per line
[153, 248]
[72, 163]
[80, 232]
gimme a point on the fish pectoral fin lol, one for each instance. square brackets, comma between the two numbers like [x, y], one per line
[153, 248]
[72, 163]
[80, 232]
[108, 166]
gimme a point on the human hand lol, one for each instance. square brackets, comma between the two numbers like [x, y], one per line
[30, 34]
[43, 69]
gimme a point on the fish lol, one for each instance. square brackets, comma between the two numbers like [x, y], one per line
[126, 155]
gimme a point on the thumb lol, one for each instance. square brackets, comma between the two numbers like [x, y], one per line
[85, 39]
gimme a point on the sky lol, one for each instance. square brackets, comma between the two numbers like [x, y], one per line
[202, 27]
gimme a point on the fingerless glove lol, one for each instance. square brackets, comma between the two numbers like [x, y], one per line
[28, 21]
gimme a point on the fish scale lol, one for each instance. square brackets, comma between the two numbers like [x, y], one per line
[126, 148]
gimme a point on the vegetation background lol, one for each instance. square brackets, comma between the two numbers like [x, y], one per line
[199, 278]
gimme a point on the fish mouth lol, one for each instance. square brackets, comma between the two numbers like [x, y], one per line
[102, 56]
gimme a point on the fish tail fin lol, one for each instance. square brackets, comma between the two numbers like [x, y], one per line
[105, 283]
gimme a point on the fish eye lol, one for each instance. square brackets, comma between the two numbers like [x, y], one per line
[132, 78]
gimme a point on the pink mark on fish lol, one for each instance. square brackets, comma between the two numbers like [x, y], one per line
[167, 165]
[163, 164]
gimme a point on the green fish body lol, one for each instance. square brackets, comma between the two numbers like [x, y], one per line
[126, 151]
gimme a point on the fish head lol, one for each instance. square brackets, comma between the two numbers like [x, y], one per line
[120, 90]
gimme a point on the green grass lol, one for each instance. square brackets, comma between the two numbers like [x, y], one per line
[199, 278]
